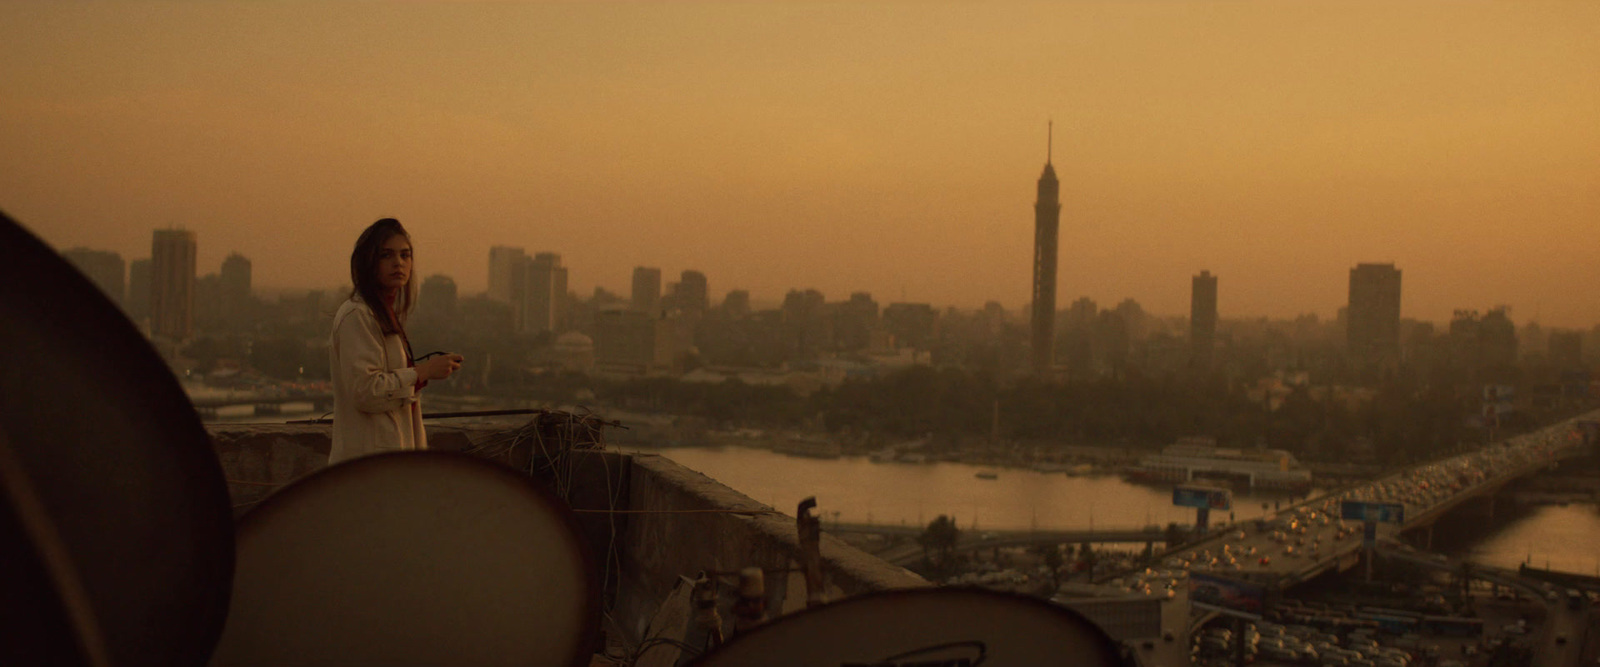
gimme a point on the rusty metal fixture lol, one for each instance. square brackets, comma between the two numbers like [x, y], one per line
[810, 529]
[751, 608]
[704, 598]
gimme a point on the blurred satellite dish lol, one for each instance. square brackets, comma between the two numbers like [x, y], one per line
[924, 626]
[411, 558]
[116, 535]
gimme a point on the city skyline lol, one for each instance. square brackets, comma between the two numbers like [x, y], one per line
[838, 148]
[1203, 283]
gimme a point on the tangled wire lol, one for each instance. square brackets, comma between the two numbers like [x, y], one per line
[542, 446]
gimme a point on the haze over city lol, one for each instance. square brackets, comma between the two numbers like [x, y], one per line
[889, 148]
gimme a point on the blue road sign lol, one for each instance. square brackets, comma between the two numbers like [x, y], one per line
[1203, 497]
[1363, 511]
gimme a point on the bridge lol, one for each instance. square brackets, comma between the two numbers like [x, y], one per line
[971, 540]
[1428, 492]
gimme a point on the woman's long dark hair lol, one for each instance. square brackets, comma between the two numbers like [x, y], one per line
[364, 275]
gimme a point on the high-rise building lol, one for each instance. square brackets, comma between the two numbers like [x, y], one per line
[805, 324]
[138, 289]
[172, 283]
[436, 299]
[103, 267]
[854, 321]
[237, 300]
[913, 325]
[692, 294]
[736, 304]
[634, 341]
[544, 294]
[505, 263]
[1046, 225]
[1373, 316]
[1202, 318]
[646, 296]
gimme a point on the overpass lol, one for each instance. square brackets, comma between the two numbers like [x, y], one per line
[1428, 491]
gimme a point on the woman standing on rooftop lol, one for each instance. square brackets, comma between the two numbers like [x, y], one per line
[376, 384]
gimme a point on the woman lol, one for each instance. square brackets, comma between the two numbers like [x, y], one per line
[375, 383]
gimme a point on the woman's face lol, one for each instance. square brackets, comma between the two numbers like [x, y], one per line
[394, 263]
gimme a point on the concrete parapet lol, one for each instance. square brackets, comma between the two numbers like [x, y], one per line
[647, 520]
[679, 532]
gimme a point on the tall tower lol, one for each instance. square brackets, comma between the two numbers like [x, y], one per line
[646, 295]
[1202, 318]
[1374, 312]
[1046, 224]
[172, 282]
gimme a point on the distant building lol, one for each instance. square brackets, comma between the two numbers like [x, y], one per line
[573, 351]
[104, 268]
[1374, 312]
[693, 293]
[913, 325]
[646, 295]
[854, 322]
[436, 299]
[1080, 322]
[1046, 227]
[505, 264]
[736, 304]
[1202, 318]
[236, 297]
[544, 294]
[172, 283]
[138, 289]
[805, 324]
[630, 341]
[208, 304]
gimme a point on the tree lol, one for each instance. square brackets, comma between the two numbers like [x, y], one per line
[1052, 558]
[940, 539]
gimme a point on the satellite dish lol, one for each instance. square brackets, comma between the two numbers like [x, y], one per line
[924, 626]
[116, 535]
[411, 558]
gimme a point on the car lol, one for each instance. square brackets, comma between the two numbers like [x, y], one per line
[1514, 629]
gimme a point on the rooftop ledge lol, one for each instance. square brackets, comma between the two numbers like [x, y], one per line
[650, 547]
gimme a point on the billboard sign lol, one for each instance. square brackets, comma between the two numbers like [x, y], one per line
[1229, 596]
[1362, 511]
[1202, 497]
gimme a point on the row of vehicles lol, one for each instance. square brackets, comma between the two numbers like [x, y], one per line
[1297, 644]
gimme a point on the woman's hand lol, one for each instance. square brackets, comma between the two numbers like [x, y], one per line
[438, 367]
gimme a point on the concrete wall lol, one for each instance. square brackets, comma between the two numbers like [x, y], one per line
[665, 532]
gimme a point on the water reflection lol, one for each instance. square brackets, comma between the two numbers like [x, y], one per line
[913, 494]
[1565, 538]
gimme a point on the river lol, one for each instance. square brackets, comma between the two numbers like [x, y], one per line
[1567, 538]
[861, 491]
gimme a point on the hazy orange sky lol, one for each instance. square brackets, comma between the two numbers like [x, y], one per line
[887, 147]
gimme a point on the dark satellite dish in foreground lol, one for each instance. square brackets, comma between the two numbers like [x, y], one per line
[414, 558]
[116, 535]
[925, 626]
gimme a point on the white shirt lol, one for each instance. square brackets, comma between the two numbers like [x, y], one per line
[375, 403]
